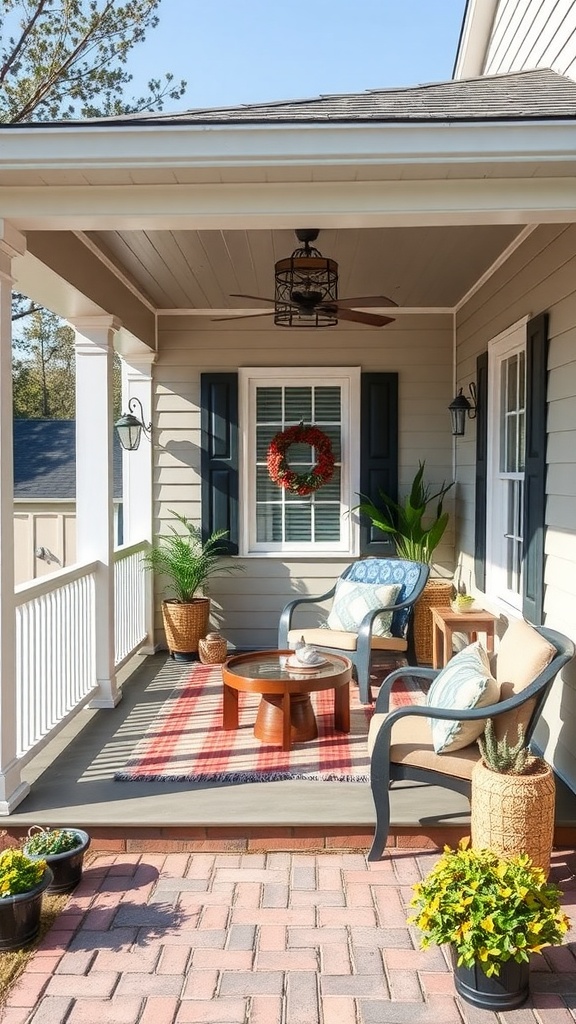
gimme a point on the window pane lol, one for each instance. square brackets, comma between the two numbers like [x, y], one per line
[298, 405]
[522, 380]
[511, 444]
[269, 405]
[269, 523]
[299, 522]
[263, 437]
[299, 457]
[327, 405]
[327, 522]
[334, 434]
[511, 390]
[266, 489]
[521, 442]
[331, 490]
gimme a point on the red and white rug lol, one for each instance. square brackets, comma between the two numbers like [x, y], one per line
[186, 741]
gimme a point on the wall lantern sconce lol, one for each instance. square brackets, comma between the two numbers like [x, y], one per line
[461, 408]
[129, 427]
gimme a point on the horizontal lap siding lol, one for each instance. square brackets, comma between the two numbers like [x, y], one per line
[539, 277]
[533, 34]
[247, 606]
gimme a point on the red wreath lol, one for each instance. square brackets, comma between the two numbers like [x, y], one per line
[300, 483]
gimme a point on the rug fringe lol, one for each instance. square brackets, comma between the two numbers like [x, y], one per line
[271, 776]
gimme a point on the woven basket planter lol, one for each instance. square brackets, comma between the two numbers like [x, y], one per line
[213, 650]
[185, 624]
[436, 594]
[514, 814]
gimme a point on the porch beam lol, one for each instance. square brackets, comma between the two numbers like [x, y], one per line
[280, 205]
[12, 788]
[94, 486]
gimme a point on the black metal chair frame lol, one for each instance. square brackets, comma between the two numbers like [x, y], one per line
[361, 657]
[383, 772]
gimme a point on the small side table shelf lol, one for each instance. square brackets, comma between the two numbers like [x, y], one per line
[446, 622]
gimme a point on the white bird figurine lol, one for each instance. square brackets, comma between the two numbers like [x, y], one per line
[308, 655]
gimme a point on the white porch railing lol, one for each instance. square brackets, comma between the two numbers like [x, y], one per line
[55, 642]
[55, 668]
[129, 601]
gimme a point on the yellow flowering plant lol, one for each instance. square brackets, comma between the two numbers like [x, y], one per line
[19, 873]
[490, 909]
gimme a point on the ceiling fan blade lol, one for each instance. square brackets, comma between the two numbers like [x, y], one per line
[241, 316]
[372, 319]
[259, 298]
[366, 300]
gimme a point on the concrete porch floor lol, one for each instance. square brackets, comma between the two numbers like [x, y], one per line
[72, 783]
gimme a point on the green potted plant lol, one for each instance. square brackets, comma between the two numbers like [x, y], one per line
[493, 912]
[63, 850]
[416, 531]
[513, 799]
[187, 562]
[22, 884]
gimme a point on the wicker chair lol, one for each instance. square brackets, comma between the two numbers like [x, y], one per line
[358, 646]
[528, 660]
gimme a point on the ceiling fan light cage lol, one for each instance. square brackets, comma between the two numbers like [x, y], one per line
[304, 283]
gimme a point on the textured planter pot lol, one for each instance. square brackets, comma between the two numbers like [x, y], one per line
[505, 992]
[185, 625]
[436, 594]
[66, 867]
[514, 814]
[20, 916]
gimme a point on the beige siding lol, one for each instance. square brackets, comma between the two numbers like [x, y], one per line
[246, 607]
[541, 276]
[43, 526]
[533, 34]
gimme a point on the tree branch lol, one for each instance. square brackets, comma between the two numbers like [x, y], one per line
[20, 44]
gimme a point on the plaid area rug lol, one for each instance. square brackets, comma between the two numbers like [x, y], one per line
[186, 742]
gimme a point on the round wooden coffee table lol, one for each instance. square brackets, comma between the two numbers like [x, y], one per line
[285, 715]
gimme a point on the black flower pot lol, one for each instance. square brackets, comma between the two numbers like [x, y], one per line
[506, 991]
[66, 867]
[20, 915]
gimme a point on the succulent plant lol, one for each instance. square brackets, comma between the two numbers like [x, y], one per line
[502, 756]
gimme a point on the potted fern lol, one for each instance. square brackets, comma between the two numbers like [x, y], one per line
[187, 562]
[63, 850]
[23, 881]
[416, 525]
[512, 799]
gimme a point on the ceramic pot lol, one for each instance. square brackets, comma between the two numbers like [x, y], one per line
[66, 867]
[506, 991]
[20, 915]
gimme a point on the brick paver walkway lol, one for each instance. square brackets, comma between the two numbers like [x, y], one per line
[271, 938]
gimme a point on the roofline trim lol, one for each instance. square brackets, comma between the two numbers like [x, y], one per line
[475, 35]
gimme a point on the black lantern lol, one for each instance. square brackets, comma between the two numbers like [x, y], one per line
[305, 284]
[129, 427]
[462, 408]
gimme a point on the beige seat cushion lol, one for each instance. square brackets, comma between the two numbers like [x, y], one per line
[522, 655]
[344, 641]
[412, 745]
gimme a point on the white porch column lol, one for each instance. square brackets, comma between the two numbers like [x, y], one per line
[12, 789]
[94, 484]
[137, 471]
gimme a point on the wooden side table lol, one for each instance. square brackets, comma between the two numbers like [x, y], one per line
[446, 622]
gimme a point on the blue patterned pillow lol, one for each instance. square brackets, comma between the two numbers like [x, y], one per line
[465, 683]
[352, 601]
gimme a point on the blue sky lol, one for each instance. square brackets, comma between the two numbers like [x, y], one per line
[248, 51]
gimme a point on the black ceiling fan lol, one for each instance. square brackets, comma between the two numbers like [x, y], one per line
[306, 292]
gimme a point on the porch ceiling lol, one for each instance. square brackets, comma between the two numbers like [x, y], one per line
[417, 267]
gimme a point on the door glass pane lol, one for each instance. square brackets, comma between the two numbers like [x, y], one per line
[269, 405]
[298, 405]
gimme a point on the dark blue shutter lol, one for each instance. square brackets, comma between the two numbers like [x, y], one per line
[535, 471]
[219, 462]
[378, 452]
[481, 471]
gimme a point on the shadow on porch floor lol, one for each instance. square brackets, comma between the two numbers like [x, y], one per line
[72, 782]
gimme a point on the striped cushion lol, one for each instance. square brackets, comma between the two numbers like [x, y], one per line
[465, 683]
[352, 601]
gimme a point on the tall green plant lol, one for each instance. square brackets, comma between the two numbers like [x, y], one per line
[185, 560]
[405, 522]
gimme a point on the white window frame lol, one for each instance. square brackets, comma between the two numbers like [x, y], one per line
[505, 345]
[348, 378]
